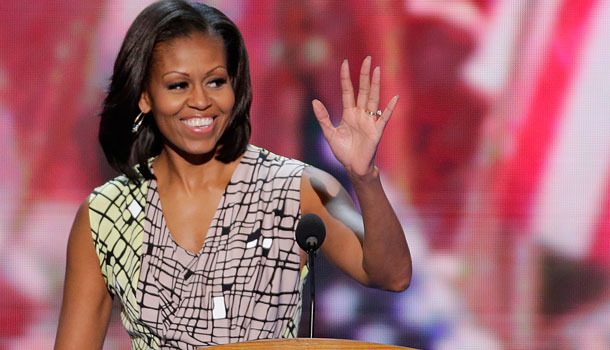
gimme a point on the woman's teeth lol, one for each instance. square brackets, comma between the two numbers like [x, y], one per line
[197, 122]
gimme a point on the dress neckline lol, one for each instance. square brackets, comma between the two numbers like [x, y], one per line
[219, 205]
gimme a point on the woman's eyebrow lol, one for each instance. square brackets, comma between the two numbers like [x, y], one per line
[187, 75]
[175, 71]
[215, 68]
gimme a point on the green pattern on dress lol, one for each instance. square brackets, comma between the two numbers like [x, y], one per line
[117, 236]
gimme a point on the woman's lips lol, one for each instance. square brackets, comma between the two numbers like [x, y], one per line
[198, 121]
[199, 124]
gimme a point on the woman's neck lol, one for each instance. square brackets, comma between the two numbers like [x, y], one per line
[191, 173]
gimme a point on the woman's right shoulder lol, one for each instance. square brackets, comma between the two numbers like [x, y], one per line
[113, 186]
[118, 201]
[121, 184]
[113, 189]
[109, 201]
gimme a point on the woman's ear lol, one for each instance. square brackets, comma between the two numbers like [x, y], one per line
[144, 103]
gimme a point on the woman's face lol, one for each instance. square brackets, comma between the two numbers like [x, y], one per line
[190, 93]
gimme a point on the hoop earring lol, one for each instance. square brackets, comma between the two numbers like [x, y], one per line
[137, 123]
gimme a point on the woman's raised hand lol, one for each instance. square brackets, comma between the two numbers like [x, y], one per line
[354, 142]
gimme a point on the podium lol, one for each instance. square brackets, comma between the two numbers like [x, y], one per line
[305, 344]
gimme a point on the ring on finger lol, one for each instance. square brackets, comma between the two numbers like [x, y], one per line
[374, 114]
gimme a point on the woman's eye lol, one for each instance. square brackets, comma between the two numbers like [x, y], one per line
[177, 86]
[217, 82]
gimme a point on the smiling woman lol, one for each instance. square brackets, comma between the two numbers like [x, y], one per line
[147, 44]
[196, 239]
[189, 94]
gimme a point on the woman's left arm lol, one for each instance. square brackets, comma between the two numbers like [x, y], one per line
[371, 248]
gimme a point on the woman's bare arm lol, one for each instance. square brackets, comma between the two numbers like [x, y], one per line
[87, 304]
[380, 258]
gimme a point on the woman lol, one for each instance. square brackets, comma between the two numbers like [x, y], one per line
[178, 107]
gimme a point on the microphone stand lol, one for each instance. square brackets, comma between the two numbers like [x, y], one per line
[312, 288]
[310, 234]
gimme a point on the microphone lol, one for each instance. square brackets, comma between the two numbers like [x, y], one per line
[310, 234]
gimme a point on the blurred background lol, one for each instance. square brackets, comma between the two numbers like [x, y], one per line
[497, 159]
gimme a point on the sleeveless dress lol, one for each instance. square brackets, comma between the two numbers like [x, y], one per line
[244, 284]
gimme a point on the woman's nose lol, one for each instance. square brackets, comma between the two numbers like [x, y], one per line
[199, 98]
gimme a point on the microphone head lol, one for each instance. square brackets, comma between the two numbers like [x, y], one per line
[310, 232]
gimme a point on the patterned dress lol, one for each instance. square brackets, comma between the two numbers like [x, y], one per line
[244, 284]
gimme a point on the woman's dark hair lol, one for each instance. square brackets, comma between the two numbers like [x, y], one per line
[164, 21]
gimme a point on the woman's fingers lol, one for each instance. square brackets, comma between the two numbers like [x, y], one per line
[387, 113]
[347, 90]
[372, 103]
[367, 100]
[365, 83]
[323, 118]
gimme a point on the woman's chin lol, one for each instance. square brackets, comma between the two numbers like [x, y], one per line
[194, 153]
